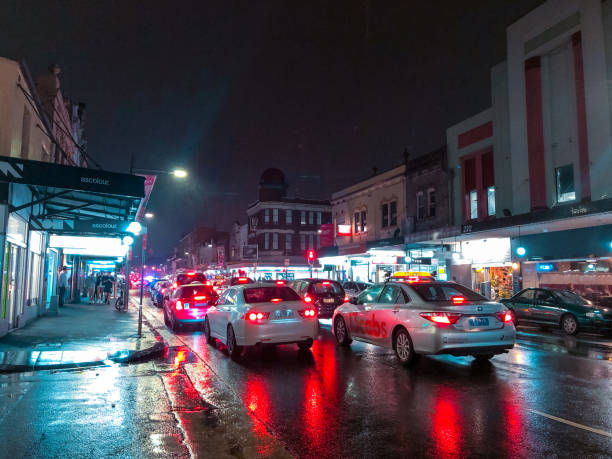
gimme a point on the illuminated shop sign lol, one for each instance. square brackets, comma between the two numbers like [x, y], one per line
[344, 230]
[545, 267]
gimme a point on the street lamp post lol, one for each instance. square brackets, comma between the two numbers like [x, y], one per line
[142, 263]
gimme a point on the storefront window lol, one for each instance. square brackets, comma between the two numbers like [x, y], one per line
[565, 183]
[16, 230]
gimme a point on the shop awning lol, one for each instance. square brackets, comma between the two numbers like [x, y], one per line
[73, 199]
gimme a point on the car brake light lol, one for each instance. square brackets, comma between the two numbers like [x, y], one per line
[346, 298]
[191, 273]
[457, 300]
[175, 285]
[179, 305]
[441, 318]
[243, 280]
[254, 316]
[276, 300]
[326, 283]
[163, 290]
[308, 313]
[504, 316]
[280, 282]
[200, 297]
[307, 299]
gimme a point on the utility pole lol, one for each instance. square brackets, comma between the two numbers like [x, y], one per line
[142, 263]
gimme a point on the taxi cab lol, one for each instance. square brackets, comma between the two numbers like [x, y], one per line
[415, 314]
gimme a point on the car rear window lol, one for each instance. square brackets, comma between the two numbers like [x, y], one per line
[326, 287]
[444, 292]
[190, 292]
[266, 294]
[190, 279]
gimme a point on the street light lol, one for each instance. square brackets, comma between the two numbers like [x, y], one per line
[149, 215]
[128, 240]
[180, 173]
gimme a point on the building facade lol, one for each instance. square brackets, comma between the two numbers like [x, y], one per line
[532, 167]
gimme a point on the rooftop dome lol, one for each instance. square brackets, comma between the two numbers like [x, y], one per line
[272, 185]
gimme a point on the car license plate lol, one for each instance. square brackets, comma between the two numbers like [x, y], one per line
[283, 314]
[328, 300]
[200, 305]
[479, 322]
[186, 305]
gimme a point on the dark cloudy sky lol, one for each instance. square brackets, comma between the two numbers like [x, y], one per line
[322, 90]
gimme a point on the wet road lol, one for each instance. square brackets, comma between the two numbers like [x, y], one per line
[541, 399]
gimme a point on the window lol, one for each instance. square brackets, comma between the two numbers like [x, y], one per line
[363, 221]
[370, 295]
[385, 215]
[303, 217]
[267, 216]
[311, 218]
[392, 294]
[393, 213]
[288, 241]
[356, 230]
[288, 217]
[275, 215]
[491, 201]
[473, 204]
[275, 241]
[303, 241]
[564, 177]
[525, 295]
[420, 205]
[319, 216]
[431, 202]
[311, 241]
[266, 241]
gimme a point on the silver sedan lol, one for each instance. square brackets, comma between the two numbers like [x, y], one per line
[426, 317]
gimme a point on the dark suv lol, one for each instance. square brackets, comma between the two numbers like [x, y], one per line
[325, 294]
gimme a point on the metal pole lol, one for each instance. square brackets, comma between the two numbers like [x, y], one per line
[127, 276]
[142, 262]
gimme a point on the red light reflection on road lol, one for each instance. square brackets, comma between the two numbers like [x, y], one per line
[258, 405]
[180, 358]
[446, 424]
[514, 426]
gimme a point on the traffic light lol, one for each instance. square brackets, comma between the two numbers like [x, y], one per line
[311, 256]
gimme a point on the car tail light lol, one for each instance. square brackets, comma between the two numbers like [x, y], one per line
[441, 318]
[163, 290]
[346, 298]
[191, 273]
[308, 313]
[457, 300]
[179, 305]
[200, 297]
[307, 299]
[504, 316]
[280, 282]
[326, 283]
[175, 285]
[243, 280]
[254, 316]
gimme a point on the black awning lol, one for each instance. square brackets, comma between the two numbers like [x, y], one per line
[72, 199]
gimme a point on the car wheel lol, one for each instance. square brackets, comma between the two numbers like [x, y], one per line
[232, 348]
[483, 357]
[402, 345]
[166, 321]
[305, 345]
[569, 324]
[341, 332]
[209, 338]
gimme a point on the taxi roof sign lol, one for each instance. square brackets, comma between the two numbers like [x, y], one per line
[412, 276]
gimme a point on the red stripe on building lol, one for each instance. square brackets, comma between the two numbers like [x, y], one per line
[535, 133]
[583, 141]
[481, 132]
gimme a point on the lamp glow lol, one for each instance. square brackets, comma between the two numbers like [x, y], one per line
[128, 240]
[135, 228]
[180, 173]
[149, 215]
[521, 251]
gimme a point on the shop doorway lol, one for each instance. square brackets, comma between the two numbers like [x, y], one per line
[494, 282]
[12, 278]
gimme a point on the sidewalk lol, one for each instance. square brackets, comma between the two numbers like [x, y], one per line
[81, 335]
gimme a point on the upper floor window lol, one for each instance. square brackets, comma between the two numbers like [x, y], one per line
[288, 242]
[385, 215]
[491, 201]
[357, 226]
[267, 241]
[473, 204]
[564, 177]
[420, 201]
[303, 241]
[364, 227]
[318, 218]
[275, 241]
[431, 198]
[275, 215]
[288, 216]
[311, 241]
[267, 216]
[303, 217]
[393, 213]
[311, 218]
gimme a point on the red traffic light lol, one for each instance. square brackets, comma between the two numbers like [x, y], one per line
[311, 255]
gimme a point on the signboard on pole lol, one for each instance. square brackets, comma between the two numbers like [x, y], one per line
[221, 255]
[248, 252]
[148, 187]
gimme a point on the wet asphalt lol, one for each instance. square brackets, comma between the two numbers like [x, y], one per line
[544, 399]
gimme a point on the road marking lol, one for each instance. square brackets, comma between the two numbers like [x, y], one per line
[574, 424]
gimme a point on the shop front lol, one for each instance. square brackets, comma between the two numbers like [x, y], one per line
[578, 260]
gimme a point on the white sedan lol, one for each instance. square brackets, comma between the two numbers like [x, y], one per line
[426, 317]
[261, 313]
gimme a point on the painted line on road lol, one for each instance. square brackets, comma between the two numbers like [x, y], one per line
[573, 424]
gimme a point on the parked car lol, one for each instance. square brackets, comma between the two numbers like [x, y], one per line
[189, 303]
[325, 295]
[353, 289]
[428, 317]
[260, 313]
[552, 308]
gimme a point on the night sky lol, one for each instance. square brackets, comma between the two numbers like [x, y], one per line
[323, 90]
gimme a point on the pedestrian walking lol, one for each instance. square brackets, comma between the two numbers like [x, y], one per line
[62, 284]
[90, 284]
[99, 288]
[108, 288]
